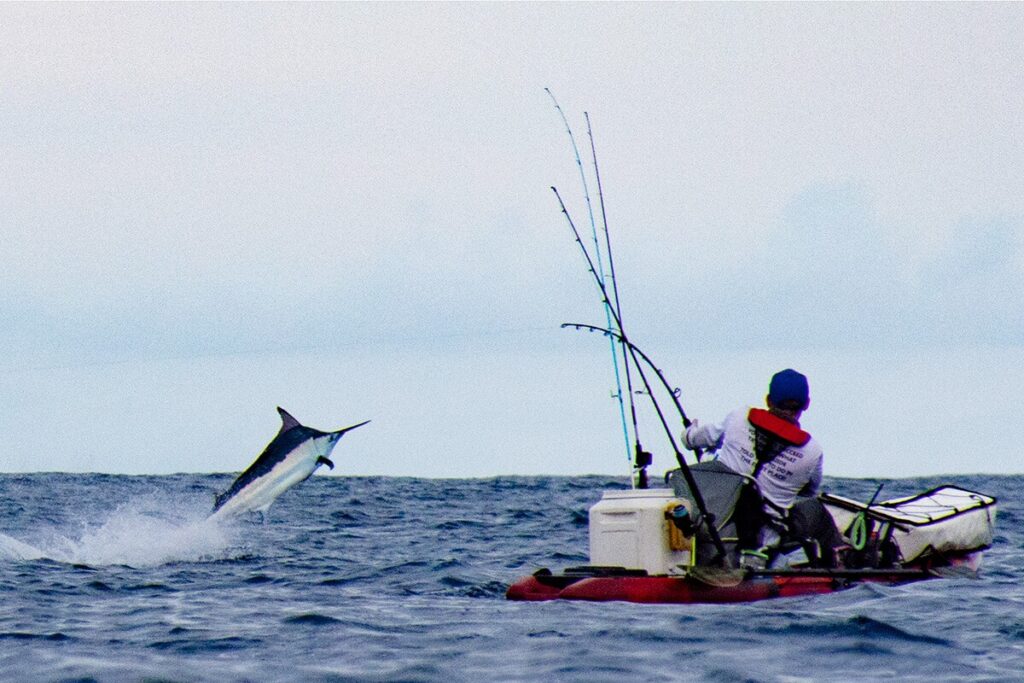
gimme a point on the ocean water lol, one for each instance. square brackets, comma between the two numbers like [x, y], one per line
[116, 578]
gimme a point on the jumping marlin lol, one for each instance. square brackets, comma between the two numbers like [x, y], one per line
[290, 459]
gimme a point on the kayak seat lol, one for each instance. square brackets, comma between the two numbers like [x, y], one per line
[736, 504]
[721, 489]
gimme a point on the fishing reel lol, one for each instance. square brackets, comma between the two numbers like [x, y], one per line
[641, 460]
[682, 520]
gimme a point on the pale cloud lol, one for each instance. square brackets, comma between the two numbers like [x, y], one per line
[293, 159]
[199, 179]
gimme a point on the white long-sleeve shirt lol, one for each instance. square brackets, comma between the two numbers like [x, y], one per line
[796, 469]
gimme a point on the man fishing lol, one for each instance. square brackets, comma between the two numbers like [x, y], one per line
[786, 464]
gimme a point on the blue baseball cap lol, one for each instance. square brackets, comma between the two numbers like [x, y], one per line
[789, 385]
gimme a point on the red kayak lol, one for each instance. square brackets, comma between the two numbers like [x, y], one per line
[701, 585]
[639, 554]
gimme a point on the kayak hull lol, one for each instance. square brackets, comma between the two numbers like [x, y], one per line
[687, 589]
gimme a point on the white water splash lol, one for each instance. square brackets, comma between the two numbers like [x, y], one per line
[142, 532]
[13, 549]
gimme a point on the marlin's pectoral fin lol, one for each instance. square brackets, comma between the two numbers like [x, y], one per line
[324, 461]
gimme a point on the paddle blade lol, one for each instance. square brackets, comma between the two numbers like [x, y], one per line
[717, 576]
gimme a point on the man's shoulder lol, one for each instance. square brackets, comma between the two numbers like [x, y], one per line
[812, 447]
[739, 414]
[735, 421]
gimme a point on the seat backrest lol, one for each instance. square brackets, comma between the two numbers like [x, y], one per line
[719, 486]
[721, 489]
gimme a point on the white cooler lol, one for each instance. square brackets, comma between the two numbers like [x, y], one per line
[630, 529]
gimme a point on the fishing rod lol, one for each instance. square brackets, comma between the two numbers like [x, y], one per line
[669, 389]
[614, 302]
[698, 499]
[600, 276]
[641, 458]
[619, 334]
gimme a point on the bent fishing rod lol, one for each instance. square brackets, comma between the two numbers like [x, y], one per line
[620, 334]
[698, 499]
[633, 348]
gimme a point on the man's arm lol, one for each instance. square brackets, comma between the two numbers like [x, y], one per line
[705, 437]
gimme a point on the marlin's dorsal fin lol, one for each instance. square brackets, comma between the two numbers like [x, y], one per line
[287, 421]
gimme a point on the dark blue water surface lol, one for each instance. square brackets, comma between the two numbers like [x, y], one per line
[119, 578]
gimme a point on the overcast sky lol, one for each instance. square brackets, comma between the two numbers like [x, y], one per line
[212, 209]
